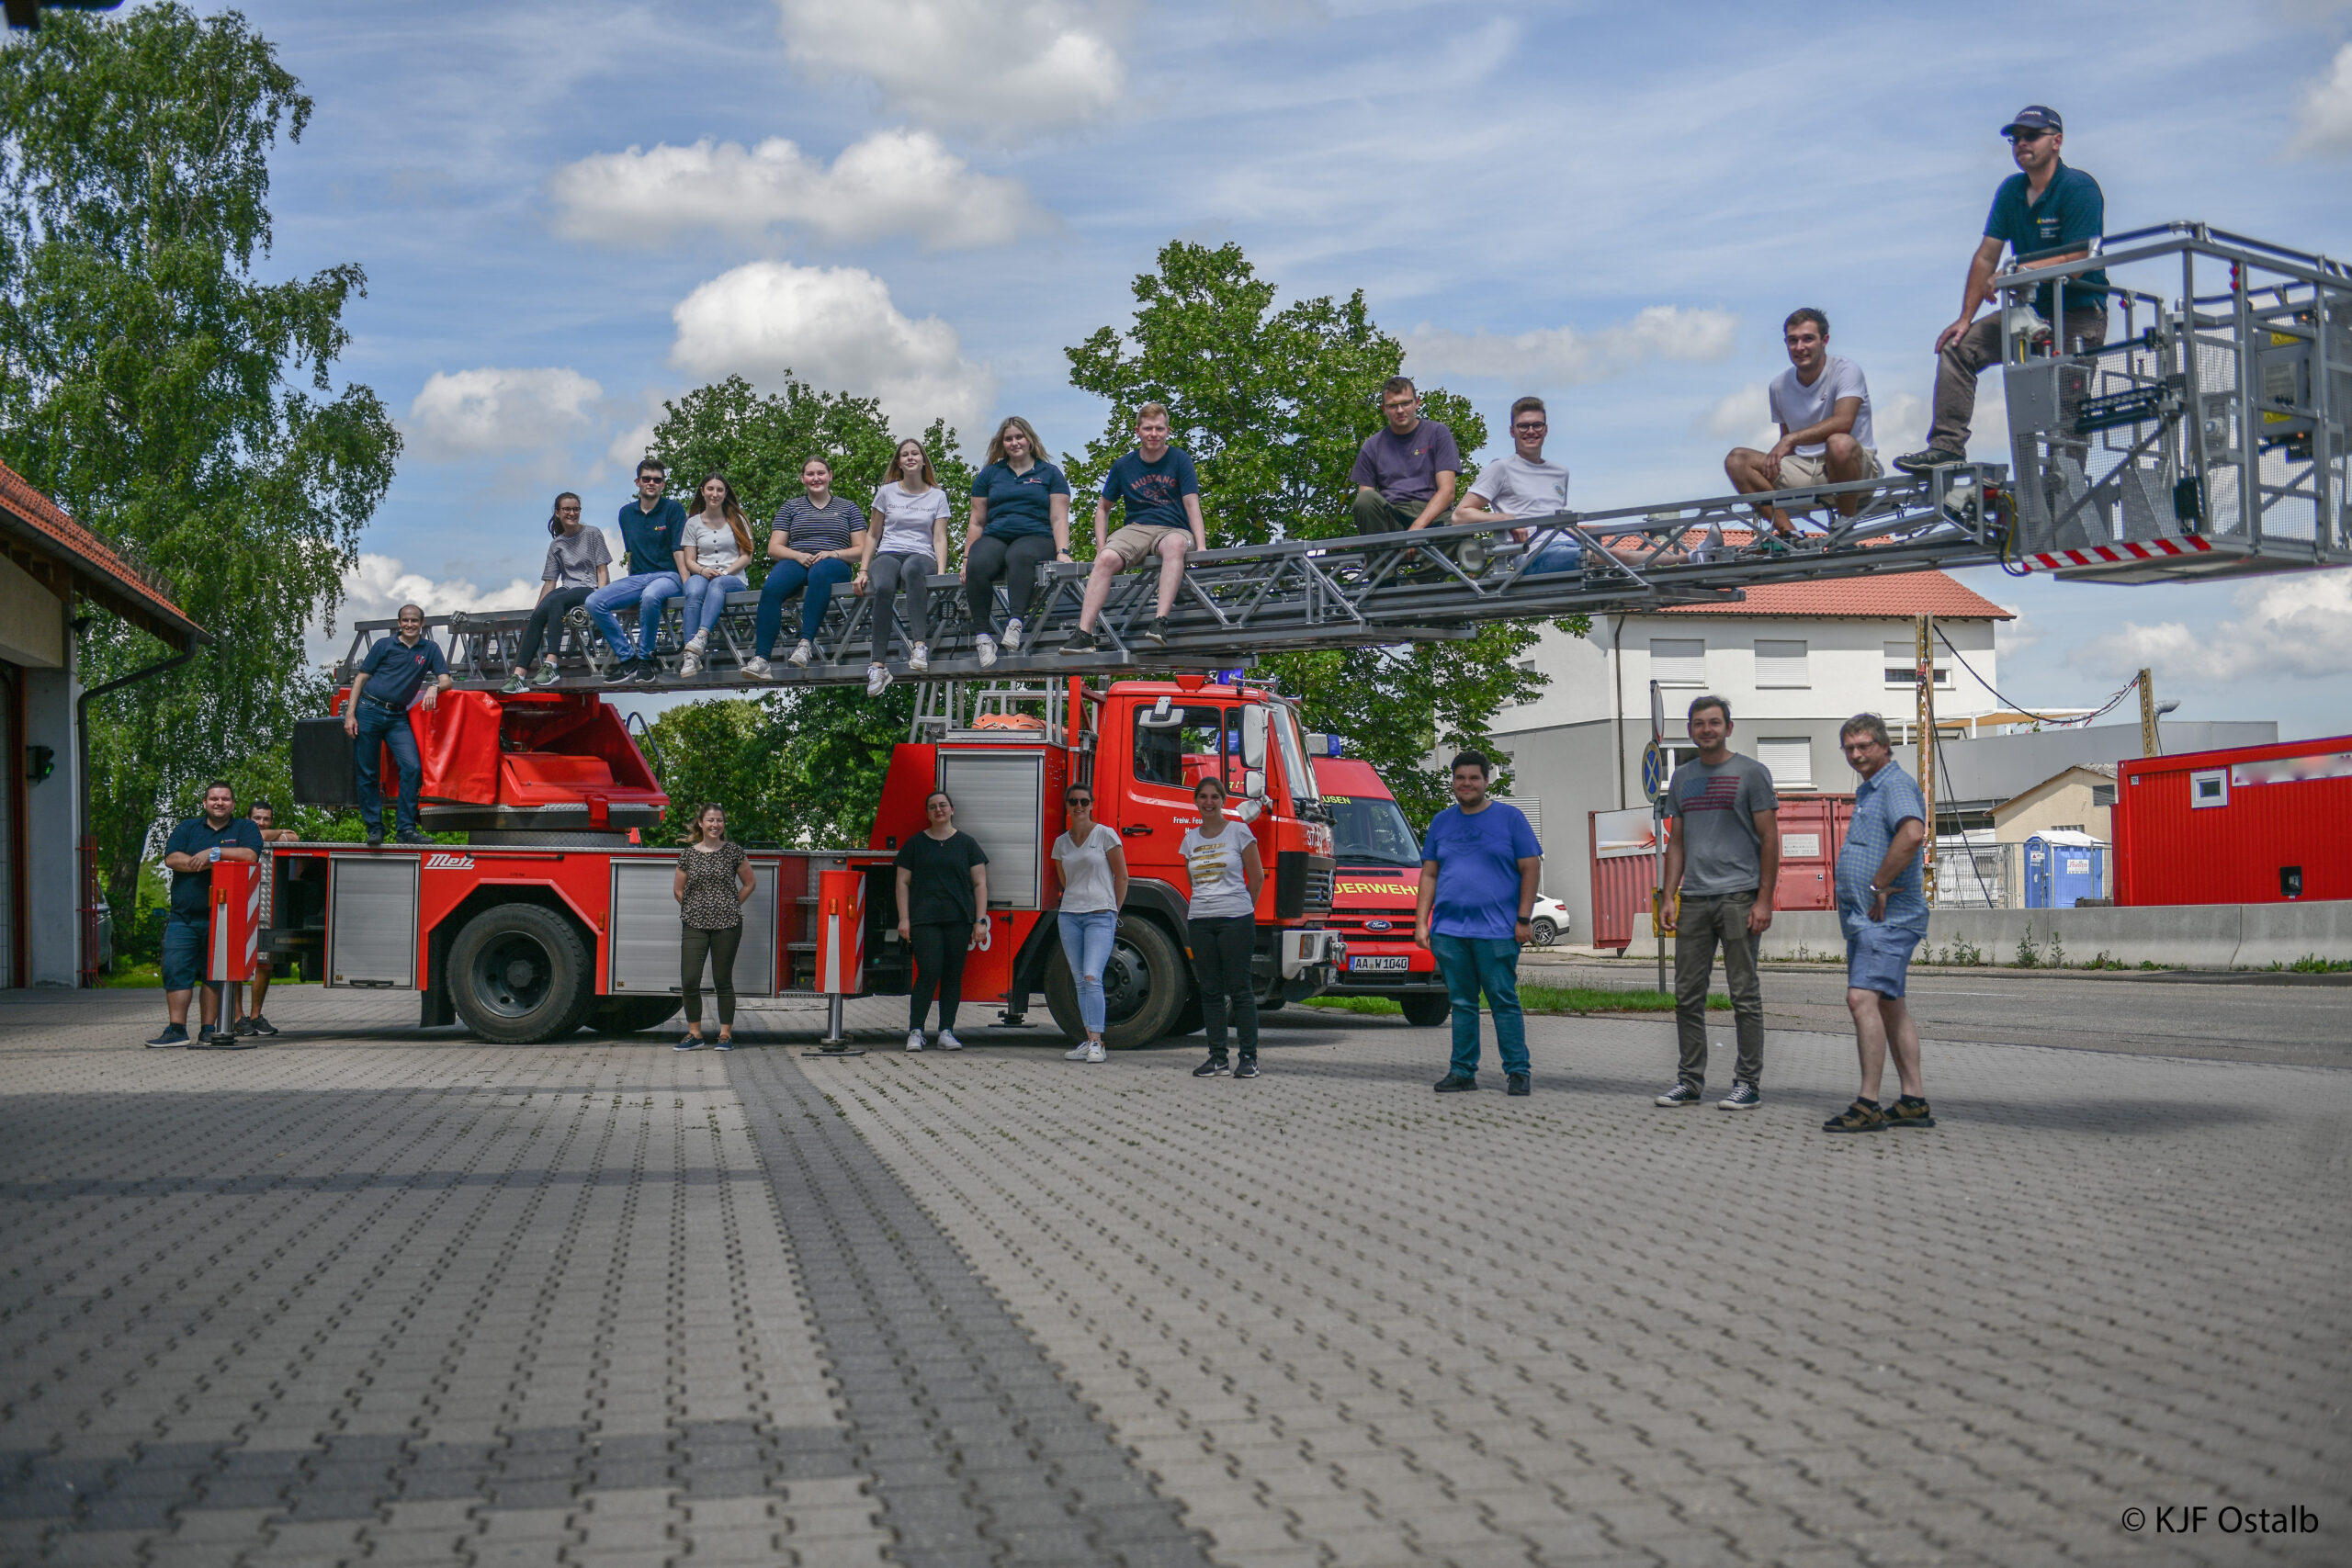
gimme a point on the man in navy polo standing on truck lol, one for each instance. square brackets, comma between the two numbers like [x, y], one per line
[377, 719]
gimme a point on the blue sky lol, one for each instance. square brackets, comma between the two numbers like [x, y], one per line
[568, 210]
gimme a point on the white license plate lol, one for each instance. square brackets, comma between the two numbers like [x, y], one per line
[1379, 964]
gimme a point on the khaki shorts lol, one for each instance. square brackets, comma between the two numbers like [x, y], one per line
[1135, 543]
[1798, 471]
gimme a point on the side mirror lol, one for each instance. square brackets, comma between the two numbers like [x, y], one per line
[1253, 740]
[1254, 784]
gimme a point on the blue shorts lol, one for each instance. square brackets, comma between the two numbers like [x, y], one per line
[1878, 958]
[185, 939]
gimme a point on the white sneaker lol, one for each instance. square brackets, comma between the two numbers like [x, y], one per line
[984, 646]
[699, 642]
[915, 1039]
[691, 663]
[803, 654]
[1095, 1051]
[947, 1041]
[877, 680]
[1077, 1053]
[1012, 629]
[918, 658]
[757, 669]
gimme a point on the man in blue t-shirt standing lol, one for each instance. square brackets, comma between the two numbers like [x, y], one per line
[1883, 909]
[2045, 213]
[653, 527]
[1161, 498]
[1479, 866]
[375, 718]
[195, 847]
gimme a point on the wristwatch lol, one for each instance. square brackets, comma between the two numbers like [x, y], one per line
[216, 853]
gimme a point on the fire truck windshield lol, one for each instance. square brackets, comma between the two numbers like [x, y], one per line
[1370, 830]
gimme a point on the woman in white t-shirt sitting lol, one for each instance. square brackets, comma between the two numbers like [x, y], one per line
[907, 528]
[712, 554]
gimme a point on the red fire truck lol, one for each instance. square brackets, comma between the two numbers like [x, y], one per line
[554, 915]
[1374, 892]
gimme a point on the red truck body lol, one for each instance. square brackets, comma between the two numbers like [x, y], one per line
[1372, 898]
[552, 917]
[2245, 825]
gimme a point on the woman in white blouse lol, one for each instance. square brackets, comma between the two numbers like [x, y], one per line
[907, 533]
[712, 555]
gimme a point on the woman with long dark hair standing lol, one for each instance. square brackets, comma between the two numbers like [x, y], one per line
[1020, 520]
[1221, 926]
[713, 554]
[579, 563]
[1094, 873]
[943, 910]
[714, 878]
[906, 534]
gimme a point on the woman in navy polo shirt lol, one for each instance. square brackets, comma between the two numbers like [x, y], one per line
[1020, 520]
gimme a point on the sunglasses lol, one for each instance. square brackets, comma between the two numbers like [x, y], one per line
[1084, 801]
[2026, 138]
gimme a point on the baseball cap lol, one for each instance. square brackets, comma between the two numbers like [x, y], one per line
[2036, 116]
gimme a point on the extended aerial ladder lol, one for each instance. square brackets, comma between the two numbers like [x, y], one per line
[2209, 439]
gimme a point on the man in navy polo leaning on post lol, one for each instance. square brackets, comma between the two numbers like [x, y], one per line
[377, 718]
[653, 529]
[196, 846]
[1479, 867]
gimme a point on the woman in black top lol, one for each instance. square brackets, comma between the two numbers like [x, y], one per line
[943, 910]
[713, 880]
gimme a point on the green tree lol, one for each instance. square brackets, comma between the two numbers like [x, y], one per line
[1273, 404]
[179, 405]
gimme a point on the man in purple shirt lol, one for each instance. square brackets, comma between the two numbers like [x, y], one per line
[1405, 472]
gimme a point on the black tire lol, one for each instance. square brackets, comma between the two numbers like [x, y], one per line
[1146, 986]
[629, 1015]
[519, 974]
[1545, 933]
[1424, 1010]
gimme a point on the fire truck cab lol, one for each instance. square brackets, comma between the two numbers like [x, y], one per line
[1375, 890]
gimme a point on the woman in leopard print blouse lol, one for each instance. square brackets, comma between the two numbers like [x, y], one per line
[714, 878]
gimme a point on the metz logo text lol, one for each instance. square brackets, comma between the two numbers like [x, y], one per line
[444, 861]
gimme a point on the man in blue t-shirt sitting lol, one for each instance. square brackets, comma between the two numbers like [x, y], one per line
[375, 718]
[2045, 213]
[1479, 866]
[195, 847]
[1161, 496]
[653, 529]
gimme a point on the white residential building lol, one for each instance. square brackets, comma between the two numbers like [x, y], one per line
[1794, 661]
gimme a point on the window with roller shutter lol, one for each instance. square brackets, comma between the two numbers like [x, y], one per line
[1678, 661]
[1789, 760]
[1781, 664]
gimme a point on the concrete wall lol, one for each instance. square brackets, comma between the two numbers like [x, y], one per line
[53, 925]
[2201, 936]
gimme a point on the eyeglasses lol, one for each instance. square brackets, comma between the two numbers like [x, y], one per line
[1530, 424]
[2026, 138]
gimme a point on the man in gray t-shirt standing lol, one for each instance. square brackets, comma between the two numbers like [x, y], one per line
[1722, 863]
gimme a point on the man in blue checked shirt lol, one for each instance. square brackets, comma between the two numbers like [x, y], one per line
[1882, 908]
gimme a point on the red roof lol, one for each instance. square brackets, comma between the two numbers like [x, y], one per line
[40, 537]
[1896, 595]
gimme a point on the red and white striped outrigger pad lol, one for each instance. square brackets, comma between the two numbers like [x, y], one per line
[2117, 555]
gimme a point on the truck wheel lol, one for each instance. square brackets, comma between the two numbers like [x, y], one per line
[518, 974]
[1145, 987]
[1423, 1011]
[629, 1015]
[1545, 933]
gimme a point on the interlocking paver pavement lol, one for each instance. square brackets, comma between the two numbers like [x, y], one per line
[373, 1295]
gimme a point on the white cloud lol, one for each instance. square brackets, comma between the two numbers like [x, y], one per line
[1899, 424]
[376, 588]
[834, 328]
[2018, 633]
[1007, 68]
[892, 183]
[468, 414]
[2324, 114]
[1564, 356]
[1745, 417]
[2298, 627]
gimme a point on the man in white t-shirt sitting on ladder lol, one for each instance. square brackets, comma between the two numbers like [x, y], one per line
[1524, 485]
[1822, 407]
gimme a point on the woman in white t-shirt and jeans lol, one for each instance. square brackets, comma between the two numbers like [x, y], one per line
[908, 527]
[712, 555]
[1221, 926]
[1094, 873]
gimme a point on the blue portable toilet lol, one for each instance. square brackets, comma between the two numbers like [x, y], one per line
[2062, 866]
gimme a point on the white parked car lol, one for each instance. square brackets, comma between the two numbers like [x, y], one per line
[1550, 921]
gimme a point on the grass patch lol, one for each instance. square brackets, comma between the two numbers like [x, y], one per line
[2312, 963]
[1573, 999]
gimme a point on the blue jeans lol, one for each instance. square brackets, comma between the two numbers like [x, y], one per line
[707, 598]
[382, 728]
[786, 577]
[1470, 964]
[1559, 555]
[644, 589]
[1086, 942]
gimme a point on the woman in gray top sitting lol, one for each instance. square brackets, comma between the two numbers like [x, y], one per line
[579, 563]
[813, 548]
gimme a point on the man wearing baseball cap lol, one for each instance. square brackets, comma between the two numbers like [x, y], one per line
[2046, 208]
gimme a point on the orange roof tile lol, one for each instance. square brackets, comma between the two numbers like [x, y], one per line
[1901, 594]
[39, 524]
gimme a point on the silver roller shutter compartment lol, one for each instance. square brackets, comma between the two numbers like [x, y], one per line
[371, 922]
[999, 801]
[645, 930]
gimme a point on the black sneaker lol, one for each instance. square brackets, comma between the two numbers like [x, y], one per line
[1681, 1094]
[259, 1025]
[243, 1026]
[207, 1037]
[1212, 1067]
[174, 1034]
[1518, 1083]
[375, 837]
[1742, 1097]
[1083, 641]
[411, 836]
[1456, 1083]
[648, 671]
[1155, 633]
[1862, 1116]
[1910, 1111]
[1248, 1066]
[1927, 457]
[621, 672]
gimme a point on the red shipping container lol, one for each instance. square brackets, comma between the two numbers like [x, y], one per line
[1624, 863]
[2246, 824]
